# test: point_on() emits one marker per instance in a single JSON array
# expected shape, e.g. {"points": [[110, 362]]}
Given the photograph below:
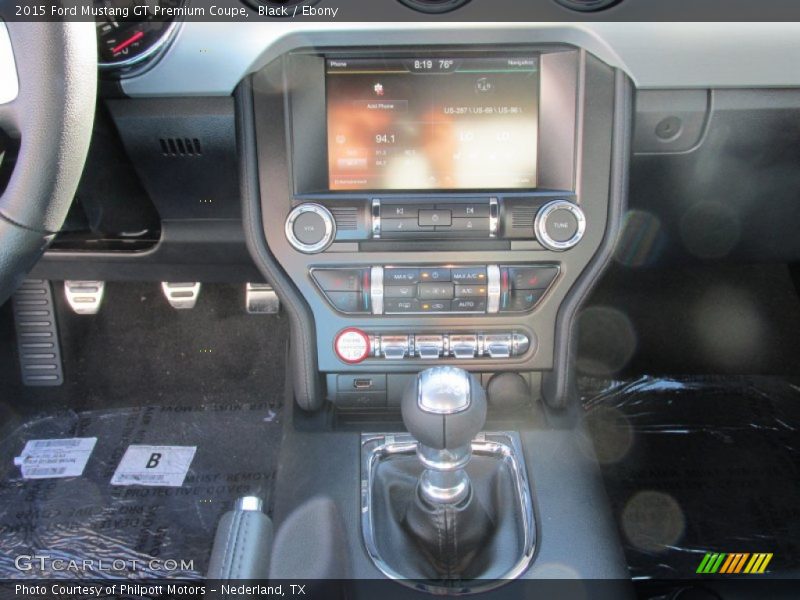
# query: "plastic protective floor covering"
{"points": [[134, 530], [700, 465]]}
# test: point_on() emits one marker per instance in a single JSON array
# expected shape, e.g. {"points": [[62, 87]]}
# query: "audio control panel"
{"points": [[447, 289], [554, 221]]}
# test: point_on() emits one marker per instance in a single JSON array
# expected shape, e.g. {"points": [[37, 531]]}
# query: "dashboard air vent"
{"points": [[588, 5], [180, 147], [434, 6], [346, 217]]}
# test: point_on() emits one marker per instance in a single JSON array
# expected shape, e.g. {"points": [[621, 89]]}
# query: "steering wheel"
{"points": [[48, 82]]}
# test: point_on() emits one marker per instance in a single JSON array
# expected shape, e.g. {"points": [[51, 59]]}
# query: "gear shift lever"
{"points": [[444, 515], [444, 410]]}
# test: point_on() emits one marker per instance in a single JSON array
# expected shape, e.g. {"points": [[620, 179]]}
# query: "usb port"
{"points": [[362, 384]]}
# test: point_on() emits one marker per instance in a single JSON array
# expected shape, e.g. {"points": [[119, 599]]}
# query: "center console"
{"points": [[441, 206], [432, 218]]}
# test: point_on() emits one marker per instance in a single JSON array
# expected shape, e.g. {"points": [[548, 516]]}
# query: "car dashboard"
{"points": [[420, 193]]}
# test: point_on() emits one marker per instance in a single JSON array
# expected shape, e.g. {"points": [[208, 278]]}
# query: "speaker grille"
{"points": [[346, 217], [180, 147], [522, 217]]}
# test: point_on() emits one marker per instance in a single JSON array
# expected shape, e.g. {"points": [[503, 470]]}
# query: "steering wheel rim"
{"points": [[51, 115]]}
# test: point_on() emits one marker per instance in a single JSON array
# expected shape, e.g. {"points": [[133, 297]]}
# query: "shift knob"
{"points": [[445, 408]]}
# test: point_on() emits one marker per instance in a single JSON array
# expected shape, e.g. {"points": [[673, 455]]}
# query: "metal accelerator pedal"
{"points": [[181, 296], [261, 299], [37, 334]]}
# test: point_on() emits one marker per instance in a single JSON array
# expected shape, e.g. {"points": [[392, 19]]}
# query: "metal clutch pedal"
{"points": [[85, 297]]}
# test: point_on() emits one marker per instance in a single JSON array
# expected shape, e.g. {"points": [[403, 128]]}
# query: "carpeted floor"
{"points": [[140, 351]]}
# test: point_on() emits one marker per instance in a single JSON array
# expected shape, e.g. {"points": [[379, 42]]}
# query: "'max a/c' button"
{"points": [[469, 275]]}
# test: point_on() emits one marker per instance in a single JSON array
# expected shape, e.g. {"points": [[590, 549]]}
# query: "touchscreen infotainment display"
{"points": [[432, 123]]}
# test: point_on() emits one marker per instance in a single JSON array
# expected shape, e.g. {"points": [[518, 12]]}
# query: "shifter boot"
{"points": [[449, 536]]}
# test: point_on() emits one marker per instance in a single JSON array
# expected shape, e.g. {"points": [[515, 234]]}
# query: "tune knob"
{"points": [[559, 225], [310, 228]]}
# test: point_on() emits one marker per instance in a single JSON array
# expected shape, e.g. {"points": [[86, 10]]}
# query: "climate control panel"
{"points": [[353, 345], [403, 290]]}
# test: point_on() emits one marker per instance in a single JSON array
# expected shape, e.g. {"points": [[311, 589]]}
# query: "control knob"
{"points": [[310, 228], [559, 225]]}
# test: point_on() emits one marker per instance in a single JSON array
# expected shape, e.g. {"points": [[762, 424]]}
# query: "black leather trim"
{"points": [[312, 544], [54, 112], [242, 546], [482, 538], [303, 350], [560, 384], [53, 116]]}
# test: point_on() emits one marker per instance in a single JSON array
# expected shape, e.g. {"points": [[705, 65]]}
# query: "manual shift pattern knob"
{"points": [[444, 410], [444, 390]]}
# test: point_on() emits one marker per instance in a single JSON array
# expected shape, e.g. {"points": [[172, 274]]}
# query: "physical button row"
{"points": [[412, 275], [353, 345], [482, 289], [468, 219], [455, 345]]}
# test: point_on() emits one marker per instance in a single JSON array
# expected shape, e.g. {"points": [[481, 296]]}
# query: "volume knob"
{"points": [[559, 225], [310, 228]]}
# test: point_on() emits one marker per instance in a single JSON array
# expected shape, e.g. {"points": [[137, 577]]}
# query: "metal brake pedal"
{"points": [[37, 334], [181, 295], [261, 299], [85, 297]]}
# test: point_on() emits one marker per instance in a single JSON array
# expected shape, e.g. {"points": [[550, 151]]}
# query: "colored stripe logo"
{"points": [[735, 563]]}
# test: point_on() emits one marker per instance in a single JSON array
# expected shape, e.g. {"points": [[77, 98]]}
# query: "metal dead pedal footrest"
{"points": [[181, 295], [37, 334], [261, 299], [84, 297]]}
